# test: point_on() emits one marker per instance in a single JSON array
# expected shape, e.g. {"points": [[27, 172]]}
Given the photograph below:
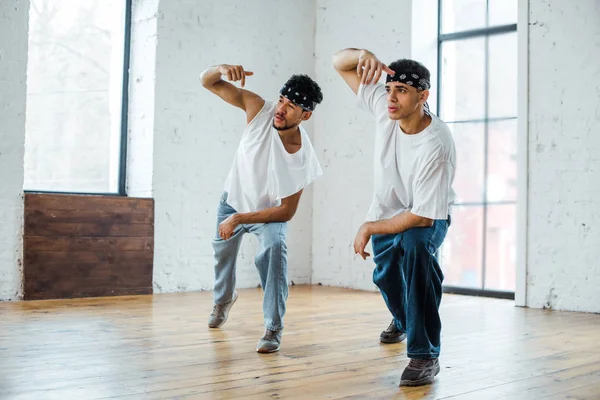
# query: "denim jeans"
{"points": [[271, 262], [409, 278]]}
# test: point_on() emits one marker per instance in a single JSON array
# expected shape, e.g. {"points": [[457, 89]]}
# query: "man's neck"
{"points": [[415, 122], [290, 136]]}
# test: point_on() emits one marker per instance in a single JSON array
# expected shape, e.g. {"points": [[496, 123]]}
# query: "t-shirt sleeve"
{"points": [[432, 189], [372, 98], [253, 128]]}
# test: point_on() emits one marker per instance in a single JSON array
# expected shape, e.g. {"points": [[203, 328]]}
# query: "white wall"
{"points": [[142, 86], [564, 156], [178, 131], [344, 136], [196, 133], [13, 66]]}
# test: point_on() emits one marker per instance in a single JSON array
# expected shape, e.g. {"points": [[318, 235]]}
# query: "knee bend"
{"points": [[274, 239], [275, 243]]}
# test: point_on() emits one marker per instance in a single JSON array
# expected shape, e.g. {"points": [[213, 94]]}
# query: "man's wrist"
{"points": [[365, 53], [369, 228], [238, 218]]}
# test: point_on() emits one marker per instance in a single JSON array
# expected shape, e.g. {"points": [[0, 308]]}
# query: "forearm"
{"points": [[210, 76], [398, 224], [347, 59], [271, 214]]}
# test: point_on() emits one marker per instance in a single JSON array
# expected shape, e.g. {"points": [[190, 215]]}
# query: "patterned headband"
{"points": [[410, 79], [297, 98]]}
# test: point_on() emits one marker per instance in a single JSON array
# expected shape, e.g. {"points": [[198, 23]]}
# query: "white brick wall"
{"points": [[196, 133], [564, 155], [142, 82], [344, 137], [178, 131], [13, 65]]}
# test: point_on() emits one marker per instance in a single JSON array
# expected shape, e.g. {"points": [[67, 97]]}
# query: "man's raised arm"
{"points": [[358, 66], [248, 101]]}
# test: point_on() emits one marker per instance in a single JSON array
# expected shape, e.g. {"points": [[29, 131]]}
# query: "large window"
{"points": [[478, 99], [76, 96]]}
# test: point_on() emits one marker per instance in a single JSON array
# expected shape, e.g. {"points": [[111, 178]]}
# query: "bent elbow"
{"points": [[334, 61], [204, 81], [288, 215]]}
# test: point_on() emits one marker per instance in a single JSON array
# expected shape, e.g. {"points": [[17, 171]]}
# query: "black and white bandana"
{"points": [[298, 98], [411, 79]]}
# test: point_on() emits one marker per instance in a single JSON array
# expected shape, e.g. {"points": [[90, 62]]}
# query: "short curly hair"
{"points": [[306, 85]]}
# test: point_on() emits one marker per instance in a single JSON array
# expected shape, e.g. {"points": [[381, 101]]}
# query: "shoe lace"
{"points": [[270, 335], [392, 327], [216, 309], [418, 364]]}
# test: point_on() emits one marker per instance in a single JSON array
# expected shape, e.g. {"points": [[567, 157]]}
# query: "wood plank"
{"points": [[43, 201], [44, 217], [159, 347], [65, 263], [88, 274], [80, 292], [41, 244], [90, 229], [110, 280]]}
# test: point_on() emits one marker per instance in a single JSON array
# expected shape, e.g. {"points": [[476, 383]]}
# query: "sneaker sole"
{"points": [[235, 297], [264, 351], [391, 341], [423, 381], [420, 382], [261, 351]]}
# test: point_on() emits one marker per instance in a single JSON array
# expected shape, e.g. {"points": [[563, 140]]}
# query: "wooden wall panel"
{"points": [[87, 246]]}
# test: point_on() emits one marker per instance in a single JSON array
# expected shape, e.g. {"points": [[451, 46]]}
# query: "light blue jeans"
{"points": [[271, 262]]}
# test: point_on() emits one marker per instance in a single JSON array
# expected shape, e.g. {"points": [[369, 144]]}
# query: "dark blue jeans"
{"points": [[410, 280]]}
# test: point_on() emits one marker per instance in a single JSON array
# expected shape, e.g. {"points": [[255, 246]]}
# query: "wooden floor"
{"points": [[159, 347]]}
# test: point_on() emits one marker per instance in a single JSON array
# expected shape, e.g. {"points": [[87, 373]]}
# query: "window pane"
{"points": [[470, 157], [462, 15], [463, 79], [503, 12], [503, 75], [462, 251], [74, 81], [500, 254], [502, 161]]}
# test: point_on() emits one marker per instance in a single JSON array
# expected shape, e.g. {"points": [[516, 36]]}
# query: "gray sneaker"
{"points": [[420, 372], [392, 334], [221, 312], [270, 342]]}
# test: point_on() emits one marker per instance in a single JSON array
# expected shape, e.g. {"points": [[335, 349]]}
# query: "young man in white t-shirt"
{"points": [[274, 162], [410, 212]]}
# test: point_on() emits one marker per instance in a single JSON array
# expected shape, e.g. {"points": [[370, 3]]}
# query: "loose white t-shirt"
{"points": [[263, 172], [412, 172]]}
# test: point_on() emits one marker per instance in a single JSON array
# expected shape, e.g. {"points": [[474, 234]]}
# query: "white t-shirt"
{"points": [[263, 172], [412, 172]]}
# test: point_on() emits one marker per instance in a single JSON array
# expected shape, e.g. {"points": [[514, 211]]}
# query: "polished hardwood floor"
{"points": [[159, 347]]}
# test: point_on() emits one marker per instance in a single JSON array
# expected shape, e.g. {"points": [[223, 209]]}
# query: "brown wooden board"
{"points": [[87, 246]]}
